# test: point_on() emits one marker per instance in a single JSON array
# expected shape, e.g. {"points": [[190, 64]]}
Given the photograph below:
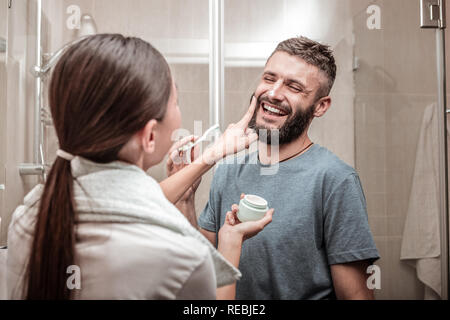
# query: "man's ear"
{"points": [[322, 106], [148, 136]]}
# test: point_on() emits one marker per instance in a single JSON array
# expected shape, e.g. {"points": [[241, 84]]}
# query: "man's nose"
{"points": [[276, 92]]}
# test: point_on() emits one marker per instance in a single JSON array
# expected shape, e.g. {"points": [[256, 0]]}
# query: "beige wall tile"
{"points": [[188, 19], [410, 49], [370, 136], [260, 19], [385, 291], [55, 32], [396, 205], [194, 107], [371, 160], [236, 104], [398, 281], [154, 19], [374, 181], [191, 77], [369, 50], [378, 225], [244, 80], [403, 108], [395, 226], [370, 109], [403, 280], [337, 128], [376, 204]]}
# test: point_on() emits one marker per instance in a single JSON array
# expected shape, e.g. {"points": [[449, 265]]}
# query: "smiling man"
{"points": [[319, 244]]}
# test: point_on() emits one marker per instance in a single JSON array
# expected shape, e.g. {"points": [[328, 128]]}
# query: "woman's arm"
{"points": [[237, 137], [230, 246], [231, 236], [175, 186]]}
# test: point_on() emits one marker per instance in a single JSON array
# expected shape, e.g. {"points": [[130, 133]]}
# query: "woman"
{"points": [[114, 106]]}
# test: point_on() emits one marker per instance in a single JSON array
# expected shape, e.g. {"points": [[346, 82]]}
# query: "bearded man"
{"points": [[319, 244]]}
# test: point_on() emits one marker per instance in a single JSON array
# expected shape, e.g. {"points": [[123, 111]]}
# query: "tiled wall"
{"points": [[395, 82]]}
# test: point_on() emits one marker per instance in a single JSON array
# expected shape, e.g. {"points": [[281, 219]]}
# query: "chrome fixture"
{"points": [[87, 28], [37, 168], [216, 62], [432, 14], [40, 71]]}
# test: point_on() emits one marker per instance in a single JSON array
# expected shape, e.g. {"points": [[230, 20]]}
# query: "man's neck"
{"points": [[272, 154]]}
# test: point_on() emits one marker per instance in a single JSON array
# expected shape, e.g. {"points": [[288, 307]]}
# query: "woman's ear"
{"points": [[322, 106], [148, 137]]}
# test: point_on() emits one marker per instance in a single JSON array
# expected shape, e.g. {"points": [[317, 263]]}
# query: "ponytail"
{"points": [[53, 248]]}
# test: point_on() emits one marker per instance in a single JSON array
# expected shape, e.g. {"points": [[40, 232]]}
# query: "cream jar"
{"points": [[252, 208]]}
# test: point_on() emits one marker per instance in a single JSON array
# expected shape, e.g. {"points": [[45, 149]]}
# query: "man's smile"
{"points": [[273, 109], [272, 112]]}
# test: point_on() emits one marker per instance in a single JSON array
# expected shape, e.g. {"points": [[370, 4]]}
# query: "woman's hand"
{"points": [[231, 236], [233, 228], [178, 160], [236, 138]]}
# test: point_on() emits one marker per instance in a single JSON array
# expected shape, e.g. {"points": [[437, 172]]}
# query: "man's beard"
{"points": [[293, 128]]}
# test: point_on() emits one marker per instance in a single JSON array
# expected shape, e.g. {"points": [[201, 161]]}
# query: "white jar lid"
{"points": [[256, 201]]}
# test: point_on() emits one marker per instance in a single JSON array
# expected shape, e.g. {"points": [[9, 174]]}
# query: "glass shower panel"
{"points": [[396, 134], [178, 29], [386, 87]]}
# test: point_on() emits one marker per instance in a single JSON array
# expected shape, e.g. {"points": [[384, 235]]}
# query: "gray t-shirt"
{"points": [[320, 219]]}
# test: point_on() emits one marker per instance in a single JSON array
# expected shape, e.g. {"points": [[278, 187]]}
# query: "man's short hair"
{"points": [[313, 53]]}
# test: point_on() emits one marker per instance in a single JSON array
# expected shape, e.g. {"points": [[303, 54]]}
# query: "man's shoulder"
{"points": [[332, 166], [322, 161]]}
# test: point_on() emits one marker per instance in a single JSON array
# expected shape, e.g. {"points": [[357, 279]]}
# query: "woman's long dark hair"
{"points": [[103, 90]]}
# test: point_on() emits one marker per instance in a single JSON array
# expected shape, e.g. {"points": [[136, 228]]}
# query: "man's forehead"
{"points": [[292, 67]]}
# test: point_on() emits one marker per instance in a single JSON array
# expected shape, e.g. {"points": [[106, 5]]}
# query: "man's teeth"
{"points": [[274, 110]]}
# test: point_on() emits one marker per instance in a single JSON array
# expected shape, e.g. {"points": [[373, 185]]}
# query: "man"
{"points": [[319, 244]]}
